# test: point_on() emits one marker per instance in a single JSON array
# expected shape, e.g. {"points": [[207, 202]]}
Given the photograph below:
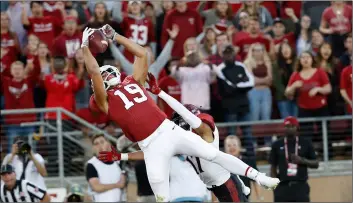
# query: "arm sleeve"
{"points": [[189, 117], [35, 191], [250, 82], [125, 64], [163, 58], [91, 172]]}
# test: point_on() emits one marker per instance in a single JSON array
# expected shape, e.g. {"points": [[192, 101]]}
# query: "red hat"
{"points": [[70, 18], [290, 120]]}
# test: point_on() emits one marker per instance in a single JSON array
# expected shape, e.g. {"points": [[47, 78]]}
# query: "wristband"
{"points": [[124, 157]]}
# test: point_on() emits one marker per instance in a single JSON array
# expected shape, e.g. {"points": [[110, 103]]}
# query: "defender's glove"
{"points": [[109, 156], [85, 36], [152, 82], [109, 32]]}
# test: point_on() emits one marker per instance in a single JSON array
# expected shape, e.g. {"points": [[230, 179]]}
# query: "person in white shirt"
{"points": [[28, 165], [105, 179], [195, 78]]}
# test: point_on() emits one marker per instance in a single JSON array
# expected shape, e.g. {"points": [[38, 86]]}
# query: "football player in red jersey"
{"points": [[128, 104]]}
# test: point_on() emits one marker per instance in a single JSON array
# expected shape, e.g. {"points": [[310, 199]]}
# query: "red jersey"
{"points": [[245, 43], [132, 108], [61, 90], [171, 87], [239, 36], [190, 25], [97, 119], [339, 23], [319, 79], [44, 29], [9, 43], [346, 84], [140, 31], [19, 95], [65, 45], [289, 37]]}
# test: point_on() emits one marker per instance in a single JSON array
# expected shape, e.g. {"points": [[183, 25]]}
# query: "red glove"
{"points": [[109, 156], [152, 82]]}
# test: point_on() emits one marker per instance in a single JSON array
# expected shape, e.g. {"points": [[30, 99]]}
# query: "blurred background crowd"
{"points": [[296, 53]]}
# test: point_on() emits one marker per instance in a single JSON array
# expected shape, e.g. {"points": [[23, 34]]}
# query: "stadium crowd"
{"points": [[284, 46]]}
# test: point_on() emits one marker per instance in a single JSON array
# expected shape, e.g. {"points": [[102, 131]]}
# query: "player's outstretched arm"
{"points": [[140, 66], [194, 121], [92, 67]]}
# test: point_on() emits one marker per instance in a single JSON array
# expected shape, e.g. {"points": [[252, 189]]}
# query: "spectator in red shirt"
{"points": [[69, 41], [43, 26], [61, 88], [9, 44], [336, 21], [255, 36], [346, 88], [18, 93], [189, 22], [169, 85], [279, 32], [138, 28], [327, 62], [310, 85], [242, 29]]}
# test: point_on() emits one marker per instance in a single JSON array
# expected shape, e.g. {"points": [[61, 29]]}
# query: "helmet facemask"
{"points": [[111, 76]]}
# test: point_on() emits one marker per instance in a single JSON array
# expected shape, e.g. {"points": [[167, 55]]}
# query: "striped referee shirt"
{"points": [[23, 191]]}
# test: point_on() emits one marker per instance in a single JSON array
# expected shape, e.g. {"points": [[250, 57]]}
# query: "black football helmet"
{"points": [[178, 120]]}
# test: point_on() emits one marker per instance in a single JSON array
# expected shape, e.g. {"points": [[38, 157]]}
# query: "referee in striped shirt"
{"points": [[13, 190]]}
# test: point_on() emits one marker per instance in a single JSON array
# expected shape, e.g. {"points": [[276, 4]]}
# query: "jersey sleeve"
{"points": [[91, 172], [208, 119], [35, 191]]}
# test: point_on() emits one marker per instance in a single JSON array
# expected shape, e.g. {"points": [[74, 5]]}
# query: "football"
{"points": [[98, 43]]}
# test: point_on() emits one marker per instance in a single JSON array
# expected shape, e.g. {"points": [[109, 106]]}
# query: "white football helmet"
{"points": [[111, 76]]}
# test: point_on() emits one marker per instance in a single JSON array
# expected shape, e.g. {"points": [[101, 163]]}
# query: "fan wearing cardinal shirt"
{"points": [[18, 93], [336, 21], [190, 25], [61, 88], [280, 36], [138, 28], [42, 26], [254, 36], [9, 43], [346, 87], [310, 85], [67, 43]]}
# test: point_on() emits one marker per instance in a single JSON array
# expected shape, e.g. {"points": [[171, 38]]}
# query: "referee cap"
{"points": [[290, 120], [7, 169]]}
